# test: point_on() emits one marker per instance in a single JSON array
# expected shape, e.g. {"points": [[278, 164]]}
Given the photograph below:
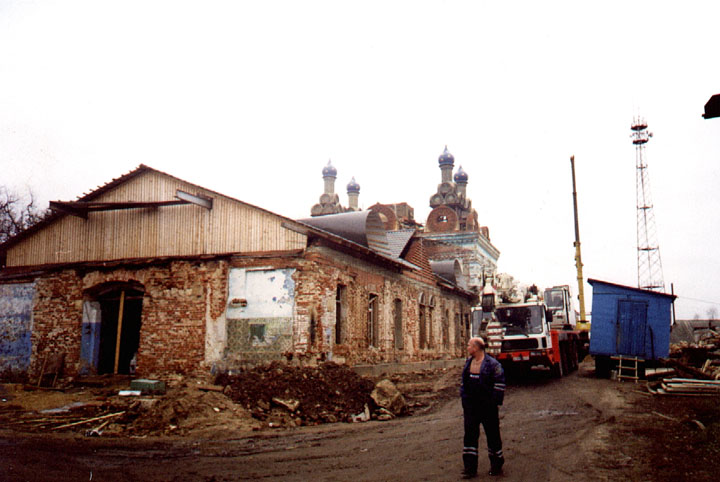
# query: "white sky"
{"points": [[252, 98]]}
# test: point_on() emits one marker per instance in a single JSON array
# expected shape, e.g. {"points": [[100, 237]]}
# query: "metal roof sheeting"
{"points": [[362, 227]]}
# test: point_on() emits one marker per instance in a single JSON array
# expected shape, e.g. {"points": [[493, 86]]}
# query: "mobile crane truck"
{"points": [[535, 332]]}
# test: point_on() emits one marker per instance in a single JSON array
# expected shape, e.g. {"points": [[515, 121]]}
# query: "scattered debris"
{"points": [[210, 388], [665, 416], [700, 425], [363, 416], [148, 386], [290, 405], [384, 414], [277, 395], [94, 419], [386, 395], [97, 431], [129, 393]]}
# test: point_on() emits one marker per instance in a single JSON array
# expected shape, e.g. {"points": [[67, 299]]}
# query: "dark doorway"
{"points": [[113, 300]]}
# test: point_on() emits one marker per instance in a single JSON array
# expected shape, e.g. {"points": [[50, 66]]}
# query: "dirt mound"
{"points": [[183, 410], [285, 395]]}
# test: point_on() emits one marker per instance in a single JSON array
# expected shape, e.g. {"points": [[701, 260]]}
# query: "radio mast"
{"points": [[649, 265]]}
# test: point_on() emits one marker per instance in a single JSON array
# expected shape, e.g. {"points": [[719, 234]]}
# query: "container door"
{"points": [[632, 324]]}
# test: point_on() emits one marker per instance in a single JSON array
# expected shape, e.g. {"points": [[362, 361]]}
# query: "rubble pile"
{"points": [[701, 359], [285, 395], [276, 395]]}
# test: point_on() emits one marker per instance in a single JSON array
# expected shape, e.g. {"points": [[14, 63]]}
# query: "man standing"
{"points": [[482, 392]]}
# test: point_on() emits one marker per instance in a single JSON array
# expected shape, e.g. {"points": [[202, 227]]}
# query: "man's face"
{"points": [[472, 348]]}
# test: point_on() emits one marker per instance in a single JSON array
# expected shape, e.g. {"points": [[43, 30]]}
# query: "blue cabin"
{"points": [[629, 321]]}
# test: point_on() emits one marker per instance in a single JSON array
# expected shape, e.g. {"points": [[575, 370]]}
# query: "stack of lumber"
{"points": [[699, 360], [688, 387]]}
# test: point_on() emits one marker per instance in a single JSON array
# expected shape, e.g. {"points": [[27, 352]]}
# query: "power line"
{"points": [[696, 299]]}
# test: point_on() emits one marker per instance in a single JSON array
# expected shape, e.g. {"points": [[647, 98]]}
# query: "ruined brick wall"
{"points": [[57, 319], [180, 298], [188, 322], [318, 276]]}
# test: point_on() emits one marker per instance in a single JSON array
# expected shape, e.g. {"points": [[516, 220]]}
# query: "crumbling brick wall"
{"points": [[179, 299]]}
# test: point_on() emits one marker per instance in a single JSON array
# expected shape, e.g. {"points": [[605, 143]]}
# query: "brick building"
{"points": [[153, 272]]}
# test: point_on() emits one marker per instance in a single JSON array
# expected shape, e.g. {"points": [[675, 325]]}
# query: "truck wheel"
{"points": [[573, 357], [556, 371], [565, 361]]}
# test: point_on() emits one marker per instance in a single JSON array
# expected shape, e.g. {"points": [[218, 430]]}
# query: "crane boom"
{"points": [[582, 323]]}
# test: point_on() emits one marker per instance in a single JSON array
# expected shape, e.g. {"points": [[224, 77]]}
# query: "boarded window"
{"points": [[397, 309], [372, 321], [423, 328], [445, 330], [340, 313], [458, 329]]}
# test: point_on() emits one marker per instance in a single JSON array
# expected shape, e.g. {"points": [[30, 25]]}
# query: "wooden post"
{"points": [[672, 292], [119, 330]]}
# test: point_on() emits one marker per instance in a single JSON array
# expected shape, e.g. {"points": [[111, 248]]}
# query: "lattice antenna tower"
{"points": [[649, 265]]}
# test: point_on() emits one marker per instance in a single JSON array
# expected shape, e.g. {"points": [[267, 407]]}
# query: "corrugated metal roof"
{"points": [[362, 227]]}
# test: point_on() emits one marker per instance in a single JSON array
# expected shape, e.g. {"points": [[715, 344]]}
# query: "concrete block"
{"points": [[148, 386]]}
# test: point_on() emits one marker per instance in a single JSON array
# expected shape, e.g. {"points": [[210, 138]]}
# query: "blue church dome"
{"points": [[460, 175], [329, 170], [353, 186], [446, 158]]}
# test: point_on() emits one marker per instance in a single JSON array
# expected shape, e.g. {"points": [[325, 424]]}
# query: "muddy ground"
{"points": [[575, 428]]}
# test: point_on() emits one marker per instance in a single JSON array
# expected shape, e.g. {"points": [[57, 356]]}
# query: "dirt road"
{"points": [[552, 430]]}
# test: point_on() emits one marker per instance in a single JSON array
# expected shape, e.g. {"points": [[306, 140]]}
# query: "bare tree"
{"points": [[17, 213], [712, 313]]}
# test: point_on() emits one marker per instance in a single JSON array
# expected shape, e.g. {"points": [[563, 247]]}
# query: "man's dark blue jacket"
{"points": [[488, 387]]}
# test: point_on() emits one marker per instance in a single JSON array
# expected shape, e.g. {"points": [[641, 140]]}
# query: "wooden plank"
{"points": [[693, 380], [119, 330], [94, 419]]}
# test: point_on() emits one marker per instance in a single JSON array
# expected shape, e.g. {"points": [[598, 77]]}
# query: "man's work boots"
{"points": [[496, 464]]}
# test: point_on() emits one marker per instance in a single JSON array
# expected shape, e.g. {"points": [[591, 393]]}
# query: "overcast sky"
{"points": [[251, 99]]}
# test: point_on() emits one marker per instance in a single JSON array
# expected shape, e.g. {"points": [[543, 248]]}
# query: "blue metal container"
{"points": [[629, 321]]}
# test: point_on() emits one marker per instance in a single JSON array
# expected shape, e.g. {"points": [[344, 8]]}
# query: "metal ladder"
{"points": [[628, 371]]}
